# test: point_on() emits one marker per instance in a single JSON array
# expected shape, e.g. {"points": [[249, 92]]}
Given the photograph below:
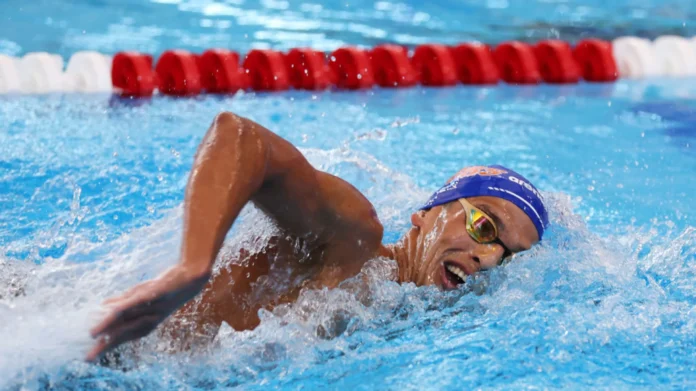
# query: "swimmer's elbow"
{"points": [[237, 125], [237, 135], [226, 119], [230, 127]]}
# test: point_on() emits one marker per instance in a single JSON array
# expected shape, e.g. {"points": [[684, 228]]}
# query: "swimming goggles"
{"points": [[482, 229]]}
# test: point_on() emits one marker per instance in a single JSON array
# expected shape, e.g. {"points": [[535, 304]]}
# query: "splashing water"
{"points": [[59, 300]]}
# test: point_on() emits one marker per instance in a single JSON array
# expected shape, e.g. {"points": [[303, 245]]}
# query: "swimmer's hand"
{"points": [[137, 312]]}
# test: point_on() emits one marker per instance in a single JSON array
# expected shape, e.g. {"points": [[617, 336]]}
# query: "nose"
{"points": [[487, 255]]}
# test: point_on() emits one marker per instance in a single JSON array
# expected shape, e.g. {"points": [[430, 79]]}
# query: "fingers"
{"points": [[126, 332], [97, 350], [110, 318], [123, 314], [138, 311], [117, 305], [104, 324], [134, 291], [129, 305], [112, 300]]}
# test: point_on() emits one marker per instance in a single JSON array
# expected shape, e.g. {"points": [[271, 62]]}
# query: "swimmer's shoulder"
{"points": [[353, 215], [337, 212]]}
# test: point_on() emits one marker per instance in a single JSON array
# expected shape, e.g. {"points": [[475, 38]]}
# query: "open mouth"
{"points": [[453, 275]]}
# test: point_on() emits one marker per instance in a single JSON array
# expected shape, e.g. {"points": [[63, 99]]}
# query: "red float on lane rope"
{"points": [[391, 66], [307, 69], [266, 70], [178, 74], [220, 72], [475, 64], [132, 74], [516, 63], [596, 60], [351, 68], [556, 62], [434, 65]]}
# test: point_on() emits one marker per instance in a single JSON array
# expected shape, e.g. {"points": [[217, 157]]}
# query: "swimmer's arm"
{"points": [[240, 161]]}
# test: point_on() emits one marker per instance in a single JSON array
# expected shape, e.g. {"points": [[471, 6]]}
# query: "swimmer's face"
{"points": [[447, 251]]}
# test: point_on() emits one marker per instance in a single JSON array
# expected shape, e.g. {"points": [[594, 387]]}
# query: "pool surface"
{"points": [[91, 188]]}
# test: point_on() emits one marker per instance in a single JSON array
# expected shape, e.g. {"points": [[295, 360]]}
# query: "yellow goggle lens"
{"points": [[480, 227]]}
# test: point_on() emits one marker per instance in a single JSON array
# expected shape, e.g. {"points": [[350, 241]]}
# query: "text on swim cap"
{"points": [[525, 185]]}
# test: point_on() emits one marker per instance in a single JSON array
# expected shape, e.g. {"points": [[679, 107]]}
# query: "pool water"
{"points": [[91, 189]]}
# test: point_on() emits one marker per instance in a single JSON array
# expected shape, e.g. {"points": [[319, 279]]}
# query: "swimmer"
{"points": [[482, 216]]}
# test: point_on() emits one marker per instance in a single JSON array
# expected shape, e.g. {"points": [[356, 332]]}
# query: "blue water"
{"points": [[91, 190]]}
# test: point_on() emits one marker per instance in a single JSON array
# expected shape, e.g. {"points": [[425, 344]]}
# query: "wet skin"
{"points": [[329, 230]]}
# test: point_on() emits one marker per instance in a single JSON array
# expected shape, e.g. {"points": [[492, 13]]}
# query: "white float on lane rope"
{"points": [[41, 72], [635, 57], [677, 54], [89, 71]]}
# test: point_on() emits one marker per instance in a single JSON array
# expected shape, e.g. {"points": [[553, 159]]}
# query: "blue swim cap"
{"points": [[495, 181]]}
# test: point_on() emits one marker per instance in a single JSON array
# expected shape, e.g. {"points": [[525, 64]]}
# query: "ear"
{"points": [[418, 218]]}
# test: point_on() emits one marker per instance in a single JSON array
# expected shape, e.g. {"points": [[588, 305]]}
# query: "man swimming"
{"points": [[329, 230]]}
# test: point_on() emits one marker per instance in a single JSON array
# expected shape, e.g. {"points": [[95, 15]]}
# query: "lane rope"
{"points": [[223, 71]]}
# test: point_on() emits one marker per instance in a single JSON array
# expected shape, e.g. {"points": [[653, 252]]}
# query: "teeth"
{"points": [[456, 270]]}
